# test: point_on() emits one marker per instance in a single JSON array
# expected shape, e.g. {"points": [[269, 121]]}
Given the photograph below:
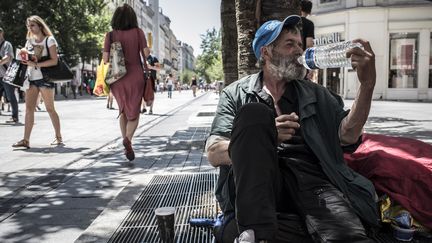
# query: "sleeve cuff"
{"points": [[212, 139], [351, 148]]}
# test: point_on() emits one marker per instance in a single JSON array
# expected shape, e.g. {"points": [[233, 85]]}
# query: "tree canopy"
{"points": [[186, 76], [77, 25], [209, 63]]}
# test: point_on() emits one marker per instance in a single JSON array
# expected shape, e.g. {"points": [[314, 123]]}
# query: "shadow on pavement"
{"points": [[155, 114], [399, 127], [12, 124], [60, 149], [69, 199]]}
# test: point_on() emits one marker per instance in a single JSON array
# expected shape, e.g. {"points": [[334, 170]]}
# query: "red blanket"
{"points": [[399, 167]]}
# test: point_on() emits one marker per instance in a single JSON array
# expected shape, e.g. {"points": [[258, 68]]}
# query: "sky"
{"points": [[191, 18]]}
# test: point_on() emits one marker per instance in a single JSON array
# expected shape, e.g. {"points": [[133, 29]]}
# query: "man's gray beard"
{"points": [[286, 68]]}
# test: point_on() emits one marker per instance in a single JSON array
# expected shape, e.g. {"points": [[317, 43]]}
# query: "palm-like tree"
{"points": [[229, 41], [250, 14]]}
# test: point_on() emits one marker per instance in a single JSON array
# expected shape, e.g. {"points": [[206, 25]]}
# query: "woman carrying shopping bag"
{"points": [[128, 90], [39, 37]]}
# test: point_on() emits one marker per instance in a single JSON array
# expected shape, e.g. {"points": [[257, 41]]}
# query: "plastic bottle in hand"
{"points": [[328, 56]]}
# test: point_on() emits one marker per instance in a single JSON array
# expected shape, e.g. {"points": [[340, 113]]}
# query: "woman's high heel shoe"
{"points": [[130, 154], [22, 144]]}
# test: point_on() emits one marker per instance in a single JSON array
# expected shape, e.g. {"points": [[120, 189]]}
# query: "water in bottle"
{"points": [[328, 56]]}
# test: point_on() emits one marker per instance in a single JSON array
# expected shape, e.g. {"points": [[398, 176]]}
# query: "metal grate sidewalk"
{"points": [[191, 194]]}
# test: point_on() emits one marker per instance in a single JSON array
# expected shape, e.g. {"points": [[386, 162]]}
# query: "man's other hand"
{"points": [[286, 126]]}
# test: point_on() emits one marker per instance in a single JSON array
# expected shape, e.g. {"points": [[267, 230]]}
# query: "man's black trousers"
{"points": [[264, 186]]}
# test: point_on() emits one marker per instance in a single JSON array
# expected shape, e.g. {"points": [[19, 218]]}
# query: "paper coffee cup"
{"points": [[165, 217]]}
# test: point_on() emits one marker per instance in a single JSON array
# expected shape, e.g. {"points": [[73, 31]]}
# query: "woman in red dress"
{"points": [[128, 91]]}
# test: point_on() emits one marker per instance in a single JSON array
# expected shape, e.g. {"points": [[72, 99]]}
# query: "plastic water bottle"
{"points": [[202, 222], [328, 56], [206, 222]]}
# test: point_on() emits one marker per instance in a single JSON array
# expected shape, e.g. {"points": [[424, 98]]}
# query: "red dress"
{"points": [[128, 91]]}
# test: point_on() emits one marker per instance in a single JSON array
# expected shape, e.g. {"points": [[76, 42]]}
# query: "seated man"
{"points": [[279, 143]]}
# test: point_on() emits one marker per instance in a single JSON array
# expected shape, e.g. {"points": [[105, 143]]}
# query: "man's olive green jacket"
{"points": [[321, 113]]}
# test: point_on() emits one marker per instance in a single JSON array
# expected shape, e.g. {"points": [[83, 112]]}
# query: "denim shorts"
{"points": [[42, 83]]}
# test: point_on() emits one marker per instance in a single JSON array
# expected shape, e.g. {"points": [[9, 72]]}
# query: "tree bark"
{"points": [[229, 41], [246, 27], [251, 14]]}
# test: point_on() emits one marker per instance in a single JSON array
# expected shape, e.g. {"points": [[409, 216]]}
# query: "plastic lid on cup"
{"points": [[165, 211]]}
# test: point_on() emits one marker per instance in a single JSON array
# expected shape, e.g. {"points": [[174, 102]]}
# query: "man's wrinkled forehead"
{"points": [[288, 35]]}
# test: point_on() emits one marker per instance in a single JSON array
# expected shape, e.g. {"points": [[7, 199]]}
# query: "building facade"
{"points": [[400, 35], [148, 25], [168, 48], [186, 57], [160, 38]]}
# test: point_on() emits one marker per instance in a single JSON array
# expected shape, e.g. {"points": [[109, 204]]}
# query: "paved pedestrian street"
{"points": [[86, 191]]}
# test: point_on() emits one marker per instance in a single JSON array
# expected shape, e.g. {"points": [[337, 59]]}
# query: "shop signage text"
{"points": [[327, 39]]}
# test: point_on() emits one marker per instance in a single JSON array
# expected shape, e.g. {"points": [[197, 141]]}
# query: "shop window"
{"points": [[430, 63], [403, 60]]}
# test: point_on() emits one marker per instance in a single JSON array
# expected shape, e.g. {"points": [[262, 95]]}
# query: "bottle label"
{"points": [[309, 58]]}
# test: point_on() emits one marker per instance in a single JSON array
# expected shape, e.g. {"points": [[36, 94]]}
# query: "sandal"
{"points": [[57, 141], [23, 143], [130, 154]]}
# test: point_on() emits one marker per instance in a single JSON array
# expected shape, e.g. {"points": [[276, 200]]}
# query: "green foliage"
{"points": [[77, 25], [215, 71], [91, 42], [186, 76], [209, 63]]}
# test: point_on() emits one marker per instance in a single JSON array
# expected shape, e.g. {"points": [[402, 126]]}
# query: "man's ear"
{"points": [[265, 52]]}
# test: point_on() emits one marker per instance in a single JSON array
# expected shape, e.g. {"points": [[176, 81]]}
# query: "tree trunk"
{"points": [[250, 15], [279, 9], [246, 27], [229, 41]]}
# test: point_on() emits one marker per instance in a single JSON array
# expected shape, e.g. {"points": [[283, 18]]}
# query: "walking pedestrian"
{"points": [[308, 34], [128, 91], [2, 98], [78, 77], [161, 87], [91, 84], [308, 27], [74, 84], [194, 85], [178, 85], [6, 56], [170, 83], [38, 37], [110, 100], [154, 66]]}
